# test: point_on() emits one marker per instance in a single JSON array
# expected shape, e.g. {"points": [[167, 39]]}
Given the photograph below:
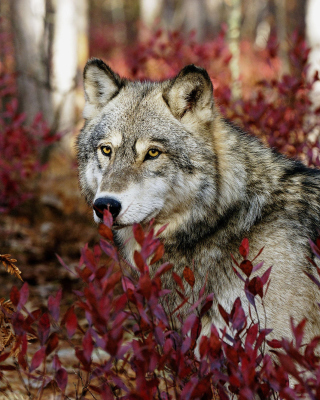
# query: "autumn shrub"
{"points": [[118, 332], [21, 145], [123, 343]]}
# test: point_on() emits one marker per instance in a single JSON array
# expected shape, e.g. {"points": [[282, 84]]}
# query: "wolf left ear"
{"points": [[101, 84], [191, 91]]}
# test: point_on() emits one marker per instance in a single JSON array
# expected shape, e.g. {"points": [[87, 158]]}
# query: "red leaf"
{"points": [[37, 359], [88, 258], [251, 336], [315, 249], [127, 284], [207, 304], [56, 363], [255, 286], [238, 274], [260, 251], [106, 393], [14, 296], [8, 368], [161, 229], [65, 265], [178, 280], [52, 344], [109, 249], [145, 285], [234, 260], [24, 294], [163, 269], [106, 232], [138, 234], [246, 267], [22, 361], [189, 276], [24, 346], [139, 261], [314, 280], [97, 253], [101, 272], [43, 328], [224, 314], [265, 276], [158, 254], [54, 305], [107, 218], [258, 266], [244, 248], [61, 378], [238, 317], [188, 324], [71, 322], [33, 316], [196, 329], [87, 345], [288, 364], [298, 331], [159, 335], [201, 293], [4, 356], [204, 346]]}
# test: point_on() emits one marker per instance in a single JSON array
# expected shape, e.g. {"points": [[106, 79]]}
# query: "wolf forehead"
{"points": [[127, 102], [128, 118]]}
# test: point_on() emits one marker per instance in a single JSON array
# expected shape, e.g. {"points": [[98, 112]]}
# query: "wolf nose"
{"points": [[109, 204]]}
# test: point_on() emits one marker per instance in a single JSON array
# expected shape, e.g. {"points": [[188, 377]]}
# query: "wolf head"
{"points": [[146, 149]]}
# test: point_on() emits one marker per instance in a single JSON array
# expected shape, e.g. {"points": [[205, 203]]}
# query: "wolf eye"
{"points": [[152, 153], [106, 150]]}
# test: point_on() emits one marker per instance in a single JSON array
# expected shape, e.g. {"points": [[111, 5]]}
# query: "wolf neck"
{"points": [[242, 189]]}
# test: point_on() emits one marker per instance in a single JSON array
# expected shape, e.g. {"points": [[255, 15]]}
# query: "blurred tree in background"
{"points": [[50, 38]]}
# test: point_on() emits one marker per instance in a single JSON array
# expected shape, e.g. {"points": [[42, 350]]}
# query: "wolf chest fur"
{"points": [[162, 151]]}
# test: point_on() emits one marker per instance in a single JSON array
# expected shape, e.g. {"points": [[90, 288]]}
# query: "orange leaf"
{"points": [[106, 232], [158, 254]]}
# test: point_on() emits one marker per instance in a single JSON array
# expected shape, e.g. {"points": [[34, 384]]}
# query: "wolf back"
{"points": [[162, 151]]}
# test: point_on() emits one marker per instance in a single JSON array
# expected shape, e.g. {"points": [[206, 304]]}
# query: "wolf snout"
{"points": [[107, 203]]}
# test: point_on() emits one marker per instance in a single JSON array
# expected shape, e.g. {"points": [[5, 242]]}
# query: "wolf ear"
{"points": [[190, 92], [101, 84]]}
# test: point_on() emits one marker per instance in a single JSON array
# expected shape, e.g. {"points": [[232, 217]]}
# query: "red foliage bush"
{"points": [[127, 347], [21, 145]]}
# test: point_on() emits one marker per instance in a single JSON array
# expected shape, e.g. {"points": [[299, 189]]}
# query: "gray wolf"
{"points": [[162, 151]]}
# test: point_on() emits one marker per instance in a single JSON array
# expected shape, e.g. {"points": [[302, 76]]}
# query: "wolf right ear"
{"points": [[101, 84]]}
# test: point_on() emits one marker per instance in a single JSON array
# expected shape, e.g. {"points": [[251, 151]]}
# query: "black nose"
{"points": [[107, 203]]}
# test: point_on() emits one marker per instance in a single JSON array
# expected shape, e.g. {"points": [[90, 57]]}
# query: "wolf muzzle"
{"points": [[106, 203]]}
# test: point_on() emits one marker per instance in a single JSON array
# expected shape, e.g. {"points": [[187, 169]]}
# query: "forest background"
{"points": [[256, 53]]}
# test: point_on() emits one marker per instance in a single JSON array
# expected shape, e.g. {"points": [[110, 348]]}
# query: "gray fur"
{"points": [[212, 183]]}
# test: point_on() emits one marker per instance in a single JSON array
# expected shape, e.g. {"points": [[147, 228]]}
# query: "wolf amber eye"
{"points": [[152, 153], [106, 150]]}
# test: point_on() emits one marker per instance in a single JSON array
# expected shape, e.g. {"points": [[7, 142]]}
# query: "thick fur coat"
{"points": [[162, 150]]}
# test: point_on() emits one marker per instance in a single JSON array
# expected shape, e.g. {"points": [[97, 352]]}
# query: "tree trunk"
{"points": [[46, 42], [282, 33], [195, 17], [313, 36], [234, 24], [150, 10]]}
